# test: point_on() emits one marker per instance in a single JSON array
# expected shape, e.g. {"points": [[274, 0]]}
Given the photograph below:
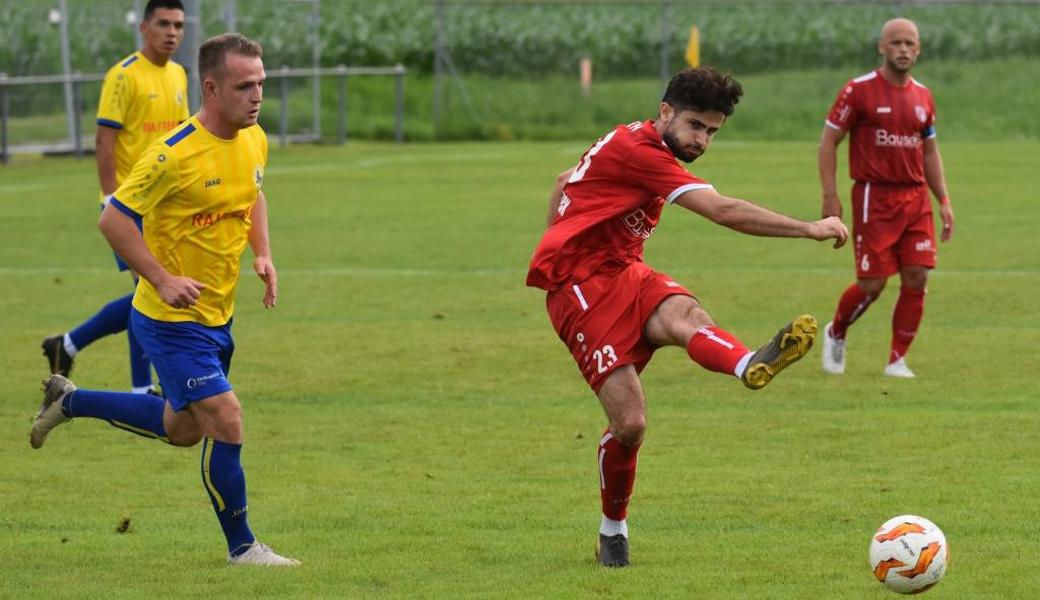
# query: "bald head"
{"points": [[899, 45], [899, 27]]}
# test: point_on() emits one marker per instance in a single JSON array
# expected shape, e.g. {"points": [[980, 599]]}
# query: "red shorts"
{"points": [[892, 227], [601, 319]]}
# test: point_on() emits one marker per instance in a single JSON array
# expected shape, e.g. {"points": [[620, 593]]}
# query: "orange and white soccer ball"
{"points": [[908, 554]]}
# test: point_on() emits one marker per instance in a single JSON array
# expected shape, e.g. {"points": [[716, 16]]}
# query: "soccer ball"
{"points": [[908, 554]]}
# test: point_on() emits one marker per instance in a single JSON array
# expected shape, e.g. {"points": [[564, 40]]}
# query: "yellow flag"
{"points": [[693, 49]]}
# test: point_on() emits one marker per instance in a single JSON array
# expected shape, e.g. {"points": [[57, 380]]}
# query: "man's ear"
{"points": [[665, 112]]}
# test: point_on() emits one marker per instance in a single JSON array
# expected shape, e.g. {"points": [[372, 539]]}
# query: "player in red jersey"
{"points": [[894, 159], [613, 311]]}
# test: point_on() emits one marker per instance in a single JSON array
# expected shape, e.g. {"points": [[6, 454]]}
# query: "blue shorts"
{"points": [[119, 260], [192, 360]]}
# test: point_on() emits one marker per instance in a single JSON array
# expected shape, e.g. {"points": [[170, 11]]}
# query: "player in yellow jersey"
{"points": [[198, 190], [143, 97]]}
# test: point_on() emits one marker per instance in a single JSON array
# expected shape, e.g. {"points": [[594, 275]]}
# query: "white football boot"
{"points": [[899, 369], [260, 553], [50, 415], [833, 352]]}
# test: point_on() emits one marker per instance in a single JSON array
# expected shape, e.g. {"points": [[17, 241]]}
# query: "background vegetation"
{"points": [[522, 39]]}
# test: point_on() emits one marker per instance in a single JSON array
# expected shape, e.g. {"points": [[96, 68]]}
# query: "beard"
{"points": [[685, 155], [896, 67]]}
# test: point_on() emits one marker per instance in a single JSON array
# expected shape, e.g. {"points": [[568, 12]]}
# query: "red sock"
{"points": [[853, 303], [716, 349], [617, 476], [905, 319]]}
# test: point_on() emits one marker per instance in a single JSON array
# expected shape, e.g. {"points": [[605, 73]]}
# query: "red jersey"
{"points": [[610, 206], [888, 125]]}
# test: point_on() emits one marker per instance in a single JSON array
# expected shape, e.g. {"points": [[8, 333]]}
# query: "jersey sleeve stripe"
{"points": [[129, 61], [828, 123], [110, 123], [126, 210], [689, 187], [929, 132], [180, 135]]}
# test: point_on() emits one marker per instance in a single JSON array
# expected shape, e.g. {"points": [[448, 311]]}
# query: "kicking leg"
{"points": [[142, 414], [681, 321]]}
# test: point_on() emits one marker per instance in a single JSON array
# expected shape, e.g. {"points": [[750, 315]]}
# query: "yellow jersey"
{"points": [[143, 101], [195, 193]]}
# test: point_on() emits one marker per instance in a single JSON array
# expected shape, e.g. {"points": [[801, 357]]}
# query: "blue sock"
{"points": [[226, 485], [137, 413], [112, 318], [140, 366]]}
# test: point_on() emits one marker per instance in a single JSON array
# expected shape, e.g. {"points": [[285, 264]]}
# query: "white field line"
{"points": [[518, 273], [18, 188], [365, 163]]}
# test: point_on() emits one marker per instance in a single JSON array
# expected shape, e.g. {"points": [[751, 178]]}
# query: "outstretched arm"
{"points": [[827, 163], [746, 217], [933, 173], [260, 242], [557, 195]]}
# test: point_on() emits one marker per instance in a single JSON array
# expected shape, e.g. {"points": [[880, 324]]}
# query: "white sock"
{"points": [[742, 365], [140, 389], [609, 527], [69, 346]]}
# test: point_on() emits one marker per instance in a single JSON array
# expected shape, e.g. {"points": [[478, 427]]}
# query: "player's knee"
{"points": [[629, 429], [872, 287], [697, 317], [229, 417], [916, 279]]}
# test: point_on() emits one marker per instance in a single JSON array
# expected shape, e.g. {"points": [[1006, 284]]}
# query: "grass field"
{"points": [[414, 429]]}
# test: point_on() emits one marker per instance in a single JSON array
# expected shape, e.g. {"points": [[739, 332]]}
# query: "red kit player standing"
{"points": [[894, 159], [612, 310]]}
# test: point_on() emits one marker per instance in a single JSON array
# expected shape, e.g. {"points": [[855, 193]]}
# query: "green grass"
{"points": [[414, 428]]}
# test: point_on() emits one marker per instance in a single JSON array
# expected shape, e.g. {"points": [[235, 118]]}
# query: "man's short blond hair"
{"points": [[213, 51]]}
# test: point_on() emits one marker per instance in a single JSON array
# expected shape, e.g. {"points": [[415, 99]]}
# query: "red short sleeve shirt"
{"points": [[610, 206]]}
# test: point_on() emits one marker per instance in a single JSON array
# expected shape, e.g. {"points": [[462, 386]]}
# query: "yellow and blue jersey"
{"points": [[195, 193], [143, 101]]}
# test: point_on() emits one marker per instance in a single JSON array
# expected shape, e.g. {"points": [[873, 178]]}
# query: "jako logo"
{"points": [[884, 138], [194, 382], [924, 246]]}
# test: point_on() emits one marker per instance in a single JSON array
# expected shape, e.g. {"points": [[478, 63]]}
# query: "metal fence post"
{"points": [[399, 95], [66, 67], [341, 121], [438, 63], [316, 58], [283, 120], [77, 140], [666, 41], [3, 118]]}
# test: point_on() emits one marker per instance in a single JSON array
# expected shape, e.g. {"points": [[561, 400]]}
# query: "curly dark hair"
{"points": [[703, 89]]}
